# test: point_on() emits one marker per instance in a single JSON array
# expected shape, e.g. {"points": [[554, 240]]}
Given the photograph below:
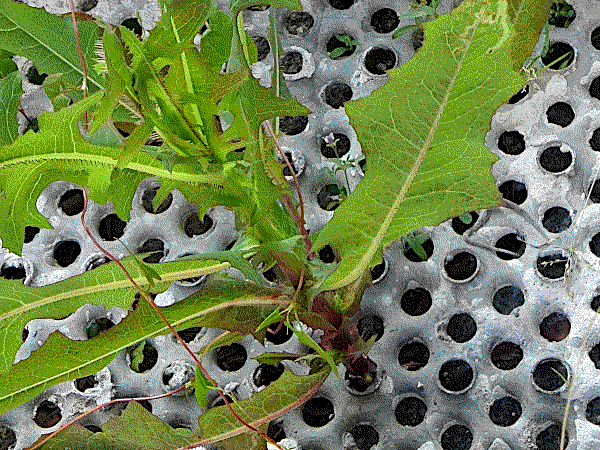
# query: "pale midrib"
{"points": [[121, 284], [97, 159], [245, 302], [368, 255]]}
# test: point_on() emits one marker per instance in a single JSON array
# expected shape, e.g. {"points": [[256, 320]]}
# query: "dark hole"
{"points": [[555, 51], [189, 334], [379, 271], [417, 39], [298, 23], [561, 14], [416, 302], [8, 438], [508, 298], [66, 252], [595, 38], [513, 191], [149, 358], [456, 437], [552, 266], [555, 327], [193, 226], [461, 328], [519, 95], [291, 62], [86, 5], [47, 414], [342, 146], [275, 430], [365, 436], [363, 165], [595, 304], [330, 197], [334, 42], [341, 4], [327, 254], [30, 233], [145, 404], [97, 262], [93, 428], [270, 275], [545, 377], [370, 325], [317, 412], [511, 143], [221, 402], [133, 24], [336, 94], [24, 334], [71, 202], [513, 243], [455, 375], [460, 266], [379, 60], [505, 411], [549, 439], [258, 7], [111, 227], [595, 140], [506, 355], [361, 374], [411, 255], [561, 114], [151, 245], [384, 20], [98, 325], [556, 219], [231, 357], [265, 374], [293, 125], [413, 356], [463, 223], [283, 335], [592, 411], [148, 197], [231, 244], [81, 384], [34, 77], [13, 271], [595, 88], [286, 170], [594, 355], [554, 160], [594, 192], [410, 411], [262, 47], [32, 124]]}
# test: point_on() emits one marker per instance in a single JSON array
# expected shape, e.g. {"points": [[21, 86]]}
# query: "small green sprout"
{"points": [[345, 44], [421, 13], [415, 241]]}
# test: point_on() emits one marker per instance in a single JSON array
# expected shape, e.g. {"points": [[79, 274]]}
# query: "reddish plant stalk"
{"points": [[164, 319], [96, 408], [81, 59], [288, 201]]}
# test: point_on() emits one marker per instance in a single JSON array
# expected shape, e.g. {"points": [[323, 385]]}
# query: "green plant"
{"points": [[561, 14], [344, 44], [421, 12], [164, 85]]}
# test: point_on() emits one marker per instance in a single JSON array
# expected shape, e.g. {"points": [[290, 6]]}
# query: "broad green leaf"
{"points": [[235, 258], [149, 273], [7, 65], [216, 43], [403, 30], [58, 152], [427, 160], [278, 86], [281, 396], [134, 143], [54, 88], [233, 305], [528, 18], [307, 340], [10, 99], [49, 41], [134, 429]]}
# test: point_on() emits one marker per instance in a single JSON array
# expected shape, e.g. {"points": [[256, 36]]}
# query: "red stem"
{"points": [[164, 319]]}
